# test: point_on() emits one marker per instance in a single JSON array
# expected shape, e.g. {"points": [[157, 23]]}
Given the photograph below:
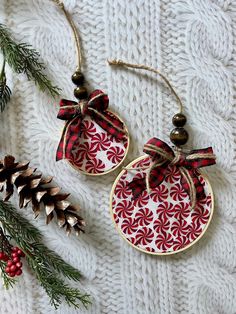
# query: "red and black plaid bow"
{"points": [[96, 107], [188, 163]]}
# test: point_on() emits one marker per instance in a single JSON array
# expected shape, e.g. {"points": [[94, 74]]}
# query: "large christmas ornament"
{"points": [[95, 140], [161, 203]]}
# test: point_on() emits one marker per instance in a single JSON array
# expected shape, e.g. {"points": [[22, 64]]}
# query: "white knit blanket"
{"points": [[194, 43]]}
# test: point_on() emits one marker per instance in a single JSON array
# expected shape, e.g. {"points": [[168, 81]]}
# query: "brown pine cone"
{"points": [[33, 188]]}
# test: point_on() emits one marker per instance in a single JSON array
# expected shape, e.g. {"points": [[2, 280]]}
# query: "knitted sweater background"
{"points": [[194, 43]]}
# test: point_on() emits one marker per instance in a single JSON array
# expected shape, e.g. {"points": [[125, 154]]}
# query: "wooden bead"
{"points": [[179, 136], [179, 120], [81, 92], [78, 78]]}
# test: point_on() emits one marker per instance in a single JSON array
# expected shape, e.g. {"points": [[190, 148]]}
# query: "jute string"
{"points": [[150, 69], [60, 4], [164, 156]]}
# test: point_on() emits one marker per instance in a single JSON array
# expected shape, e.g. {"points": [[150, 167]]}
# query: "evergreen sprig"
{"points": [[5, 92], [17, 226], [49, 258], [25, 59], [45, 263], [55, 287]]}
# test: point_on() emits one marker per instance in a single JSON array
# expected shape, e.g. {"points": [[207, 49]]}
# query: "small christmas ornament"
{"points": [[95, 140], [161, 203], [33, 188]]}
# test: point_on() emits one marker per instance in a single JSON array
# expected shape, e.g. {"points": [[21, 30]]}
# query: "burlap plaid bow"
{"points": [[96, 107], [187, 163]]}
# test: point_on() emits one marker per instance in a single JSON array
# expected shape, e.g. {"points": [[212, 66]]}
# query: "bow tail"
{"points": [[137, 186], [156, 175], [152, 179], [192, 185], [110, 123], [69, 136]]}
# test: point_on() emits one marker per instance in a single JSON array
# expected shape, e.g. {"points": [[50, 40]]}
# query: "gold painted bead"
{"points": [[179, 120], [179, 136], [81, 92], [78, 78]]}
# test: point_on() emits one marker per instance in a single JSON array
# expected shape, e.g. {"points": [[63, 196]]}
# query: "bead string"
{"points": [[147, 68], [60, 4]]}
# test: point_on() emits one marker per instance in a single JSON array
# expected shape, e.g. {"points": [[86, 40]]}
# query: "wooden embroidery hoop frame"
{"points": [[158, 253]]}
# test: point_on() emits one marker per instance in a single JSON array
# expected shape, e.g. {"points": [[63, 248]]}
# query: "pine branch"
{"points": [[5, 92], [50, 258], [43, 262], [24, 59], [55, 287], [18, 226]]}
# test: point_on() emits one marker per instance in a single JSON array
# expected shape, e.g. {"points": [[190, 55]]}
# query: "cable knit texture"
{"points": [[193, 42]]}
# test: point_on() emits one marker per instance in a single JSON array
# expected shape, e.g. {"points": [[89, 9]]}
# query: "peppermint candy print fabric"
{"points": [[96, 151], [160, 222]]}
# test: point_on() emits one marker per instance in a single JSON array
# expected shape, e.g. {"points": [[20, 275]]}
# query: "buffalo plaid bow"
{"points": [[96, 107], [188, 163]]}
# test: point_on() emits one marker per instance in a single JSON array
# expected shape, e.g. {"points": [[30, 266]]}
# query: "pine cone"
{"points": [[32, 187]]}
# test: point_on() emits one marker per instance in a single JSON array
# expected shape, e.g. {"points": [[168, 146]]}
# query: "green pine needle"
{"points": [[8, 281], [5, 92], [55, 287], [50, 258], [24, 59], [16, 225], [46, 264]]}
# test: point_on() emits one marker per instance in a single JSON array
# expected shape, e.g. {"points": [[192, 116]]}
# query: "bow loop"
{"points": [[98, 100], [68, 109], [158, 149], [201, 158]]}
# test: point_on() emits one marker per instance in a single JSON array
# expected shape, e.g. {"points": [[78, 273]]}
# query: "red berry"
{"points": [[10, 263], [14, 254], [22, 254], [7, 270], [19, 252], [3, 257], [16, 259], [12, 274], [19, 265], [13, 268], [6, 258], [19, 272]]}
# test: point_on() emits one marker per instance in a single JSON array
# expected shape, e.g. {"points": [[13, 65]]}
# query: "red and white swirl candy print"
{"points": [[124, 209], [144, 217], [129, 226], [161, 221], [101, 141], [144, 236], [96, 151]]}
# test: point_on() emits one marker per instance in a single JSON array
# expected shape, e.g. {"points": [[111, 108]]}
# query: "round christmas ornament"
{"points": [[161, 203], [95, 140]]}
